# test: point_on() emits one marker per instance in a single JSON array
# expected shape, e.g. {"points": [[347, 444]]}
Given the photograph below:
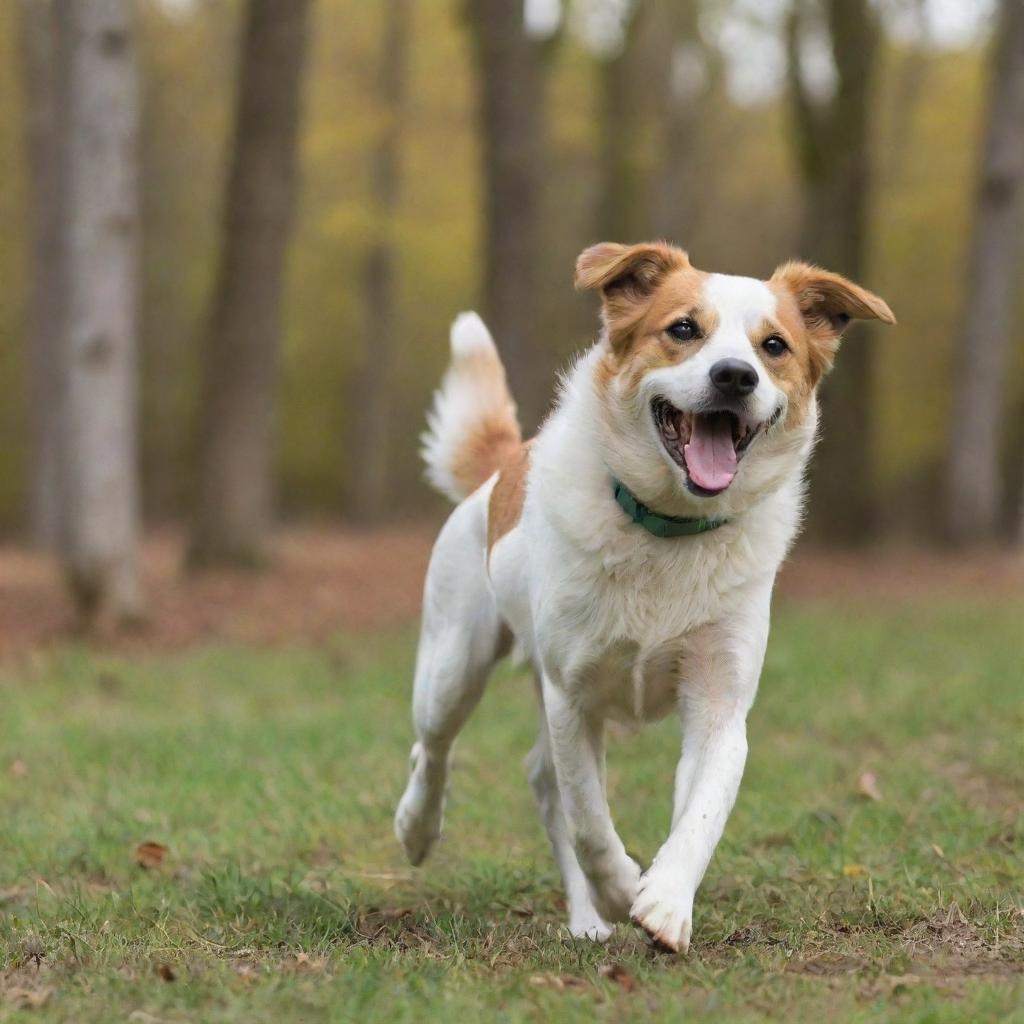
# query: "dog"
{"points": [[627, 552]]}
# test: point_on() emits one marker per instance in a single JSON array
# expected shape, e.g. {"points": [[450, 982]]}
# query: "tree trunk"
{"points": [[511, 123], [234, 506], [625, 78], [370, 402], [686, 79], [832, 141], [99, 336], [44, 137], [974, 487], [649, 124]]}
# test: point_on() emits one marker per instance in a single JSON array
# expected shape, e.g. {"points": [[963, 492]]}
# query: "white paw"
{"points": [[420, 811], [590, 926], [664, 909], [614, 890]]}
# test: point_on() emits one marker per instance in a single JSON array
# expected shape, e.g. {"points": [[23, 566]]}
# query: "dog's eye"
{"points": [[683, 330], [774, 346]]}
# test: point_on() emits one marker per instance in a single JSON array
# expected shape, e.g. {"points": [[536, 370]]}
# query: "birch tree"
{"points": [[235, 499], [100, 482], [974, 485]]}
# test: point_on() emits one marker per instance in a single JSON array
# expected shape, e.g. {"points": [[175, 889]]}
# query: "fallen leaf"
{"points": [[33, 950], [150, 855], [166, 972], [853, 870], [247, 972], [938, 851], [558, 981], [867, 786], [901, 982], [300, 963], [619, 974]]}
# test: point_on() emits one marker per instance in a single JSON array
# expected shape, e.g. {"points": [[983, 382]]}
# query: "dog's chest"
{"points": [[630, 683], [621, 636], [647, 598]]}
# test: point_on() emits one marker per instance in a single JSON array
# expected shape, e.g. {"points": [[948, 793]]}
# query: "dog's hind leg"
{"points": [[461, 639], [584, 920]]}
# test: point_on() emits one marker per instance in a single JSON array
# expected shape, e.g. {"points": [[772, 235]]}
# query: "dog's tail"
{"points": [[472, 427]]}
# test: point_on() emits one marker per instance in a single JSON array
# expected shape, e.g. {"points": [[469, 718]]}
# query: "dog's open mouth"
{"points": [[706, 445]]}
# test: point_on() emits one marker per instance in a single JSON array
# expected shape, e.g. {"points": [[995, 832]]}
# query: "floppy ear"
{"points": [[626, 275], [627, 268], [827, 303]]}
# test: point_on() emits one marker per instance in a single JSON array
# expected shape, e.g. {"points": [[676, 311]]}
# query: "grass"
{"points": [[271, 778]]}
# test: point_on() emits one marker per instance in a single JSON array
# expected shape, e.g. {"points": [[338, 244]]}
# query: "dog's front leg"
{"points": [[719, 688], [577, 750]]}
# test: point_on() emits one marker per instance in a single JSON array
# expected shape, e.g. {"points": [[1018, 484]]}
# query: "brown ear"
{"points": [[625, 276], [827, 303], [830, 301], [631, 269]]}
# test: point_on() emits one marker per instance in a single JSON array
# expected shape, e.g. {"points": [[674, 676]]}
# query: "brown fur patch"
{"points": [[627, 276], [798, 372], [493, 439], [489, 444], [506, 504], [822, 304], [640, 344]]}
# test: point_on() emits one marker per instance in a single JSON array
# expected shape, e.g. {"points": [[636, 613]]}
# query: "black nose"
{"points": [[733, 377]]}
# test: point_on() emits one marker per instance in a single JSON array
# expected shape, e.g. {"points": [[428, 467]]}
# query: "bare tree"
{"points": [[100, 481], [685, 71], [370, 403], [629, 90], [510, 69], [650, 88], [44, 136], [234, 507], [832, 142], [973, 487]]}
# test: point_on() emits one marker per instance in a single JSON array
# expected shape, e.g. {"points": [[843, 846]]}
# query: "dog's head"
{"points": [[707, 382]]}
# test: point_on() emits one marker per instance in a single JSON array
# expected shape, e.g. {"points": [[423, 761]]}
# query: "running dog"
{"points": [[627, 553]]}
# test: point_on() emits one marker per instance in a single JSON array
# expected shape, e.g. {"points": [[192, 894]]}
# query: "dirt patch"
{"points": [[322, 582], [325, 581], [946, 948], [899, 574], [963, 946]]}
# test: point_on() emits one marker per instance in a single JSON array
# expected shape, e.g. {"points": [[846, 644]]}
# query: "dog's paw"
{"points": [[664, 911], [420, 812], [613, 890], [592, 927]]}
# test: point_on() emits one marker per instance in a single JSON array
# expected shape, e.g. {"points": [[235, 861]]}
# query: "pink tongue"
{"points": [[710, 455]]}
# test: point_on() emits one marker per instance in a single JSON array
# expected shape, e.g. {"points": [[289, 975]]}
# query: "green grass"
{"points": [[272, 776]]}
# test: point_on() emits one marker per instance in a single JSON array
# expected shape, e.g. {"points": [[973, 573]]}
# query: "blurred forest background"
{"points": [[233, 235]]}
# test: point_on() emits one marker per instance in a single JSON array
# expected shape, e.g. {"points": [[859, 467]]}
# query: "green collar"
{"points": [[660, 526]]}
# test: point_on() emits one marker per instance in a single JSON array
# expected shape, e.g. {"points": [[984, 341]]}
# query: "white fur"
{"points": [[617, 623]]}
